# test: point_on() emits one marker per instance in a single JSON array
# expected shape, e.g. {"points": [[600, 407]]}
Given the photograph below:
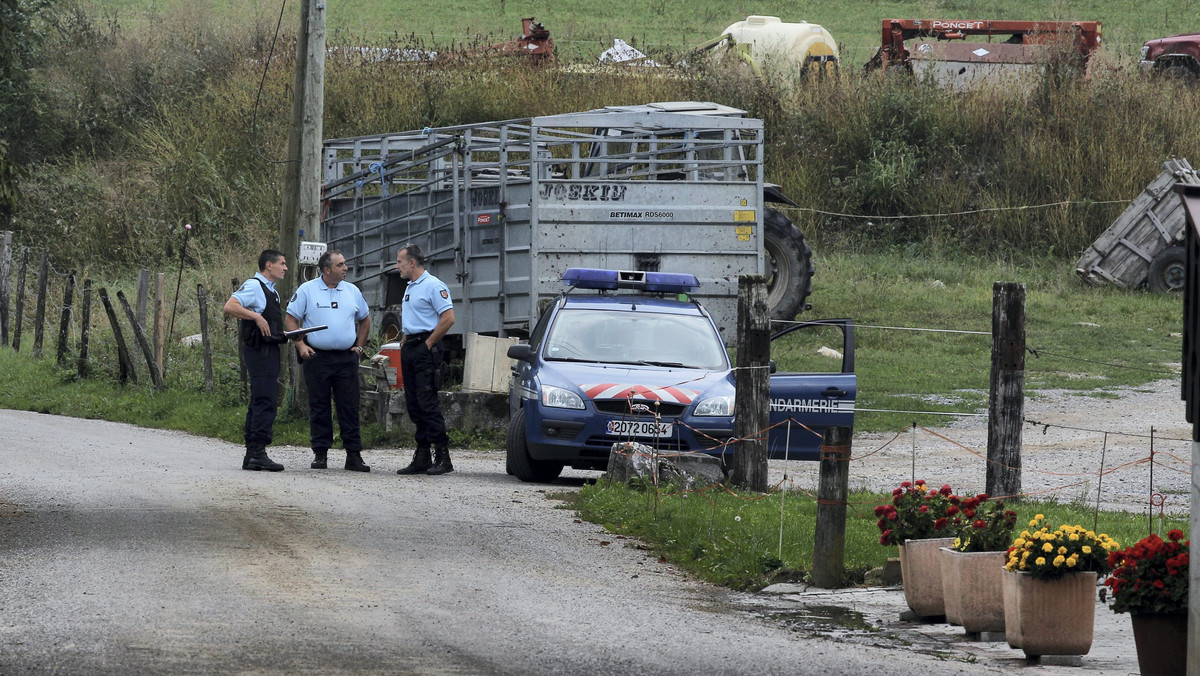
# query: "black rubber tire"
{"points": [[789, 266], [1168, 270], [1177, 72], [389, 327], [518, 461]]}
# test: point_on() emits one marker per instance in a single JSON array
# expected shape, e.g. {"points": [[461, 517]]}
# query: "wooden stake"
{"points": [[751, 410], [140, 336], [85, 325], [829, 543], [39, 321], [202, 299], [1006, 403], [127, 372], [160, 317], [143, 288], [65, 323], [19, 313], [5, 274]]}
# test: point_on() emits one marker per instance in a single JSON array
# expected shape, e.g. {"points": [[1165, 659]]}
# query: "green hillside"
{"points": [[584, 28]]}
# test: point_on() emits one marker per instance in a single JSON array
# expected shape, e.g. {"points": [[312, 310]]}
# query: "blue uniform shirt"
{"points": [[425, 299], [250, 294], [315, 304]]}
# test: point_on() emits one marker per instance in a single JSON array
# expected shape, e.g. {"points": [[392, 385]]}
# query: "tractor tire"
{"points": [[789, 266], [389, 327], [1168, 270], [518, 462]]}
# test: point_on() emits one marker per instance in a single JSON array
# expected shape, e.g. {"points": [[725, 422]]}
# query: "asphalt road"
{"points": [[131, 550]]}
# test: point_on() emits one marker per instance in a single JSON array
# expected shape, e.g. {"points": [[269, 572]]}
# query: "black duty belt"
{"points": [[417, 336]]}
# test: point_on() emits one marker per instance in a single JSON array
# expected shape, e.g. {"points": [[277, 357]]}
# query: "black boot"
{"points": [[319, 458], [354, 462], [419, 464], [256, 460], [441, 462]]}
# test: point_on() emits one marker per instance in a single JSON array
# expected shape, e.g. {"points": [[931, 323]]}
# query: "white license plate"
{"points": [[639, 428]]}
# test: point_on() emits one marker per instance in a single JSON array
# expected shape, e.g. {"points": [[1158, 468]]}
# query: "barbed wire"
{"points": [[948, 214]]}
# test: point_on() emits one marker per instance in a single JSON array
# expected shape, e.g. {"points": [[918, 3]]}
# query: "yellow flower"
{"points": [[1059, 560], [1011, 565], [1074, 537], [1062, 550], [1041, 561], [1087, 549], [1033, 522], [1025, 534], [1072, 560], [1020, 542], [1039, 517], [1047, 547]]}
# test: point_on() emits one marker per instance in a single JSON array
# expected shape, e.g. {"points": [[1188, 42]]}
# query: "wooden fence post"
{"points": [[751, 407], [202, 299], [65, 323], [5, 275], [39, 321], [19, 313], [127, 370], [159, 321], [140, 336], [143, 287], [1006, 402], [829, 544], [85, 325]]}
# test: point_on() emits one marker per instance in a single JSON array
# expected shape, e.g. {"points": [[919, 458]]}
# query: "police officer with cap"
{"points": [[260, 329], [426, 315], [331, 356]]}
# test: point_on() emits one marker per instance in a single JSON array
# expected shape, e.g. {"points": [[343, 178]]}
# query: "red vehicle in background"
{"points": [[1176, 56]]}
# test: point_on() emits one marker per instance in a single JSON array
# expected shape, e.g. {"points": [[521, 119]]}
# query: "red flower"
{"points": [[1175, 534], [979, 524], [951, 510], [924, 509]]}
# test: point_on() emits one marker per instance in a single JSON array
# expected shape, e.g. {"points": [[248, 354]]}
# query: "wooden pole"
{"points": [[39, 320], [19, 312], [829, 544], [140, 336], [85, 325], [127, 371], [5, 274], [65, 322], [143, 288], [160, 317], [202, 299], [1006, 402], [751, 408]]}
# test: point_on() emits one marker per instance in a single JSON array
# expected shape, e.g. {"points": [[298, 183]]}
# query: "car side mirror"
{"points": [[772, 366], [520, 352]]}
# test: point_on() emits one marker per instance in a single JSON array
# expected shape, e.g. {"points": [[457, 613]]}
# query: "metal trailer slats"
{"points": [[503, 208], [1152, 222]]}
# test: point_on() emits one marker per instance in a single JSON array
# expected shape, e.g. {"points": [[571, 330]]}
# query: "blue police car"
{"points": [[639, 361]]}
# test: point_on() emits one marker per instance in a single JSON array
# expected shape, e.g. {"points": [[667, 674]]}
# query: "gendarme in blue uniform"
{"points": [[425, 299], [250, 295], [315, 304]]}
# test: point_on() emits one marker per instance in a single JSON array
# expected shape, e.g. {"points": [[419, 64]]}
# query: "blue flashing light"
{"points": [[650, 282]]}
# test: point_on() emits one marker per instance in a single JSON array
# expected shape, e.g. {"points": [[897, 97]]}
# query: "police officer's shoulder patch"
{"points": [[293, 300], [445, 293]]}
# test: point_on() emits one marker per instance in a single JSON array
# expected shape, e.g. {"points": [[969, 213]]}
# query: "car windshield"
{"points": [[635, 337]]}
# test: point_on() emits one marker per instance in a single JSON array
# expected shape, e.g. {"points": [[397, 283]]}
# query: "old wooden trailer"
{"points": [[1144, 246]]}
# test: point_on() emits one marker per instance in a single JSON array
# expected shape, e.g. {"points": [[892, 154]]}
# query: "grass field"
{"points": [[582, 29]]}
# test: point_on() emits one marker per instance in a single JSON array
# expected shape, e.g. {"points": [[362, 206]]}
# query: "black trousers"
{"points": [[418, 367], [262, 365], [333, 374]]}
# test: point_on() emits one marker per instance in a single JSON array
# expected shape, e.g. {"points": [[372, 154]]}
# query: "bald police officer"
{"points": [[331, 356], [256, 307], [426, 315]]}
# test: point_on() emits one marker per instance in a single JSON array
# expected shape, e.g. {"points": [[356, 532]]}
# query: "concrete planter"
{"points": [[972, 583], [1050, 617], [921, 572]]}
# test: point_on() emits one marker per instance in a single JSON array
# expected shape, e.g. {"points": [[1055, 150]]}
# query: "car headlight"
{"points": [[1145, 52], [557, 397], [715, 406]]}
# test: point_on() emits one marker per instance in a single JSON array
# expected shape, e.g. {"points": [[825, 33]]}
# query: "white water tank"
{"points": [[775, 44]]}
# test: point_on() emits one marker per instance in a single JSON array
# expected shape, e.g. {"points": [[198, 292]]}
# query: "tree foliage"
{"points": [[21, 40]]}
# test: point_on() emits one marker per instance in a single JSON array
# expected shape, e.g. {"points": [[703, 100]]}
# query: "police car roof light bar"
{"points": [[652, 282]]}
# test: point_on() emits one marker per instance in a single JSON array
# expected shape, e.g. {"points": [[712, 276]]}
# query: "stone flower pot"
{"points": [[1050, 617], [972, 585], [921, 571]]}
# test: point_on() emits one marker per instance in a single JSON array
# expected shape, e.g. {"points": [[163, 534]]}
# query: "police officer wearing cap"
{"points": [[331, 356], [426, 315], [260, 331]]}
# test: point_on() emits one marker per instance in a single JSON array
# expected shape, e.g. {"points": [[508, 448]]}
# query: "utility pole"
{"points": [[301, 216], [300, 219]]}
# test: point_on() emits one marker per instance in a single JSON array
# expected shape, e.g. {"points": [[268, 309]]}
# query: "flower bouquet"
{"points": [[980, 524], [1150, 582], [1049, 553], [915, 513], [1151, 577]]}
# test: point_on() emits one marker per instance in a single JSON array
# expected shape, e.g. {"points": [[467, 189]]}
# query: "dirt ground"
{"points": [[1066, 455]]}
